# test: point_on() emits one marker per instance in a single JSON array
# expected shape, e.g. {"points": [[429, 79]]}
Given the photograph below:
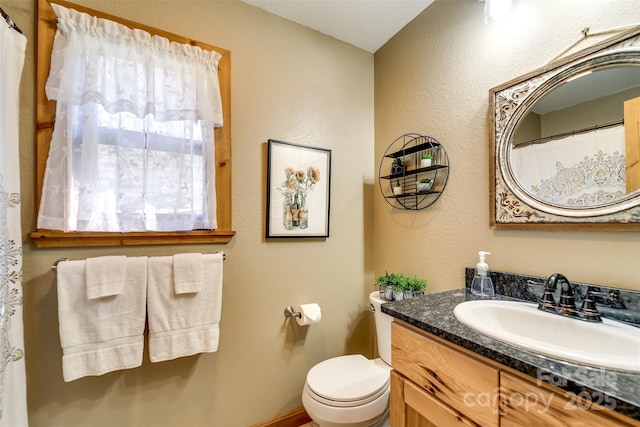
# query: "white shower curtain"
{"points": [[572, 168], [12, 368]]}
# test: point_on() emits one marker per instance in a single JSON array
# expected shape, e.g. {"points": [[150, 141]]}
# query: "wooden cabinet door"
{"points": [[413, 407], [523, 403], [449, 376]]}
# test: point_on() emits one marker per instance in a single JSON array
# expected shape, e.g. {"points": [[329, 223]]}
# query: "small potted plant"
{"points": [[397, 167], [426, 160], [424, 185], [384, 283], [396, 286], [400, 286], [397, 188], [416, 286], [388, 283]]}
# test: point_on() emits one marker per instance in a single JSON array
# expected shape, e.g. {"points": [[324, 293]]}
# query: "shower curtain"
{"points": [[577, 170], [12, 368]]}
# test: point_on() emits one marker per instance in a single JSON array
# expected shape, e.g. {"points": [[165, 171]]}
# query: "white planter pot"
{"points": [[423, 187], [425, 163], [397, 191]]}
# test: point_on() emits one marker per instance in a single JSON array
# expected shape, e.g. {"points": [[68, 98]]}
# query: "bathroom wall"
{"points": [[434, 78], [583, 115], [288, 83], [293, 84]]}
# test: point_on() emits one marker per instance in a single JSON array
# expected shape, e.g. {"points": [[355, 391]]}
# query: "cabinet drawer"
{"points": [[431, 409], [462, 382], [523, 403]]}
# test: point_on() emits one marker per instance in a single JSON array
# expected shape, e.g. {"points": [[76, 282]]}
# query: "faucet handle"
{"points": [[589, 311], [547, 302]]}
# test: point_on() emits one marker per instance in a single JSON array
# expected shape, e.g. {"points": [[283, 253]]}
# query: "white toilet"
{"points": [[353, 391]]}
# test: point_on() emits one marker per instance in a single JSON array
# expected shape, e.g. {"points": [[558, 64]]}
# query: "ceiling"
{"points": [[367, 24]]}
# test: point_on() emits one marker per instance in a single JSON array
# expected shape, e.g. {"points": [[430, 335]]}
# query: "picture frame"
{"points": [[298, 190]]}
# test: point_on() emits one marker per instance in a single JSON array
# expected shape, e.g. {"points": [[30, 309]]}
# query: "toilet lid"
{"points": [[347, 378]]}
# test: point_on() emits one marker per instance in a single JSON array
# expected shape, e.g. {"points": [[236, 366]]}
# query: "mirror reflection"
{"points": [[571, 150]]}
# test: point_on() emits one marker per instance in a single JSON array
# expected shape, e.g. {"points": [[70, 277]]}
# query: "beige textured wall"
{"points": [[434, 77], [584, 115], [288, 83], [293, 84]]}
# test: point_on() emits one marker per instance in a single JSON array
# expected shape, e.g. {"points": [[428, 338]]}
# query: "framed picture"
{"points": [[298, 189]]}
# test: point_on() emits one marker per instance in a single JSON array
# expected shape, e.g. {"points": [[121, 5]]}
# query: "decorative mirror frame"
{"points": [[510, 206]]}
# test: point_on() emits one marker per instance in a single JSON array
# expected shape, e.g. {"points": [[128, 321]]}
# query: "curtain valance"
{"points": [[129, 70]]}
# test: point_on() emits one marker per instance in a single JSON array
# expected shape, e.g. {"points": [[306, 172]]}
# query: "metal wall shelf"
{"points": [[413, 172], [409, 148]]}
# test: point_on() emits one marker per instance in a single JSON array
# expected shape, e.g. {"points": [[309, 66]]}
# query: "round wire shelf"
{"points": [[402, 166]]}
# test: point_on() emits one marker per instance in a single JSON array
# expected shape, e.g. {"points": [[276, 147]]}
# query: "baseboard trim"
{"points": [[294, 418]]}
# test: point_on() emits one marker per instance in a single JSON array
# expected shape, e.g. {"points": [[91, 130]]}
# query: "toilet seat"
{"points": [[342, 404], [347, 381]]}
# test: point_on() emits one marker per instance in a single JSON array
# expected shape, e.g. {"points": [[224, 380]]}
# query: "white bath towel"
{"points": [[105, 276], [183, 324], [187, 273], [104, 334]]}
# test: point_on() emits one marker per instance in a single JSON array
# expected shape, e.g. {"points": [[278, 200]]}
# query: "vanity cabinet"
{"points": [[438, 376], [412, 406], [436, 383], [524, 403]]}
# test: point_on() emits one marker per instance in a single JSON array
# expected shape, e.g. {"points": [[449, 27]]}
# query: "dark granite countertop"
{"points": [[433, 313]]}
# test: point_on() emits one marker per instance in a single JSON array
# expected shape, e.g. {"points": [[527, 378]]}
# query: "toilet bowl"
{"points": [[352, 390]]}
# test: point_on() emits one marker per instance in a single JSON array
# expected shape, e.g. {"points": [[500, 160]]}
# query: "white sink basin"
{"points": [[609, 344]]}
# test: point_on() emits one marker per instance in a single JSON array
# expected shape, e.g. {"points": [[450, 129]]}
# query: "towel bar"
{"points": [[54, 267]]}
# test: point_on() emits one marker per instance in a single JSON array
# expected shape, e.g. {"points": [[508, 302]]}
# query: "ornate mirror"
{"points": [[565, 142]]}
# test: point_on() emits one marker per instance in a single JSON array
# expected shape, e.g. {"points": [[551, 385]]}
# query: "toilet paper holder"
{"points": [[290, 312]]}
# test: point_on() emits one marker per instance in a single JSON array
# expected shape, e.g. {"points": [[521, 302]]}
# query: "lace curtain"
{"points": [[13, 394], [133, 142], [579, 170]]}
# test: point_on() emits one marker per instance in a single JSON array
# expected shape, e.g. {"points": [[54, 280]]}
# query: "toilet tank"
{"points": [[383, 327]]}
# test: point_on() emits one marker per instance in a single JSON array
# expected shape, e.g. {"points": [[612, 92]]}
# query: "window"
{"points": [[153, 171]]}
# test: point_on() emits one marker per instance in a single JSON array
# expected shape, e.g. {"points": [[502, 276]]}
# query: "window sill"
{"points": [[60, 239]]}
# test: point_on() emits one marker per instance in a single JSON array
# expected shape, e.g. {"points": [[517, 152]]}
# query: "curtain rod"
{"points": [[54, 267], [562, 135]]}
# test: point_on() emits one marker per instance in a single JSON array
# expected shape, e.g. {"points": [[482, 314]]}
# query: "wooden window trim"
{"points": [[45, 118]]}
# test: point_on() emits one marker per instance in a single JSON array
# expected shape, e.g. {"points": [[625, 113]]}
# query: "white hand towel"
{"points": [[105, 276], [187, 273], [104, 334], [183, 324]]}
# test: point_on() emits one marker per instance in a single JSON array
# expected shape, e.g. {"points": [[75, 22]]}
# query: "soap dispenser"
{"points": [[482, 284]]}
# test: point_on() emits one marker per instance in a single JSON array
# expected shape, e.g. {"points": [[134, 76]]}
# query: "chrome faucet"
{"points": [[567, 305]]}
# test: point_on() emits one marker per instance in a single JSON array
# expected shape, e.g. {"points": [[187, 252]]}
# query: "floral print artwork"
{"points": [[295, 189]]}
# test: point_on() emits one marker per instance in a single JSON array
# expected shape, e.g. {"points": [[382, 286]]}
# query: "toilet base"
{"points": [[384, 422], [326, 416]]}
